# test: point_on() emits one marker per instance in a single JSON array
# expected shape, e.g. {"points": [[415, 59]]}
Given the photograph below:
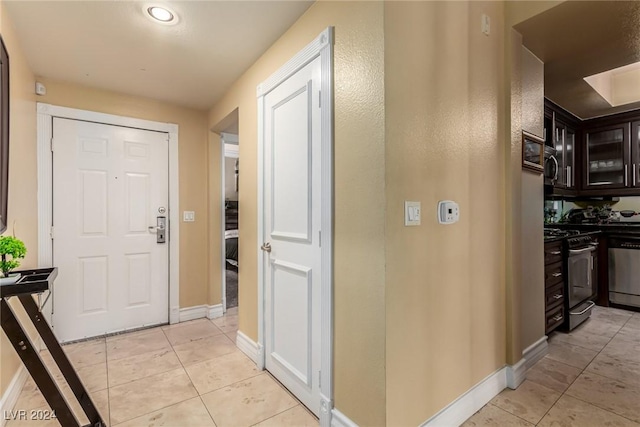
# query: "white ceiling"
{"points": [[113, 45]]}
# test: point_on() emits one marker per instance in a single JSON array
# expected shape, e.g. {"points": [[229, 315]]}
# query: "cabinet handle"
{"points": [[557, 274], [555, 253], [558, 318], [557, 296], [634, 174], [569, 180], [626, 175]]}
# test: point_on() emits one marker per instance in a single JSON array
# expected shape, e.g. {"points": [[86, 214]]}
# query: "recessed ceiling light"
{"points": [[161, 14]]}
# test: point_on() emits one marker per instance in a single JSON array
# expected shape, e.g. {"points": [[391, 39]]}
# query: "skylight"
{"points": [[619, 86]]}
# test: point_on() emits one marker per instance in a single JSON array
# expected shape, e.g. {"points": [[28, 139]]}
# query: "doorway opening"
{"points": [[230, 176]]}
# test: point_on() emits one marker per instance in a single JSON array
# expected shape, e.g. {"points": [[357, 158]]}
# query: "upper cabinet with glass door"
{"points": [[607, 157], [635, 154], [565, 138]]}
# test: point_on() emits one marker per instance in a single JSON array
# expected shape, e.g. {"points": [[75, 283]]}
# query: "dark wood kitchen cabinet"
{"points": [[607, 157], [561, 130], [596, 157], [565, 142], [554, 282], [635, 154]]}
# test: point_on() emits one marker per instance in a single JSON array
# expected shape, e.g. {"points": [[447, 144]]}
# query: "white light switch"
{"points": [[189, 216], [411, 213], [486, 25]]}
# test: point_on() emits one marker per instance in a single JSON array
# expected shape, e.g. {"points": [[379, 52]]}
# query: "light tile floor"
{"points": [[189, 374], [590, 377]]}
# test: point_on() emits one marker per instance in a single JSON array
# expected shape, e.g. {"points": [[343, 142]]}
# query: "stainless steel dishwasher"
{"points": [[624, 270]]}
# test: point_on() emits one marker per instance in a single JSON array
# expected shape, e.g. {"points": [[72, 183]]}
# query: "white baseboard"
{"points": [[11, 394], [338, 419], [535, 352], [247, 346], [215, 311], [516, 374], [200, 311], [192, 313], [470, 402]]}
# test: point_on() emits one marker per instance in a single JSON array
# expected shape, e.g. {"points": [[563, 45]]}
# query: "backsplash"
{"points": [[555, 209]]}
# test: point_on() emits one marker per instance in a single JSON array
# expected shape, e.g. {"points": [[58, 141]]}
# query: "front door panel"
{"points": [[109, 183]]}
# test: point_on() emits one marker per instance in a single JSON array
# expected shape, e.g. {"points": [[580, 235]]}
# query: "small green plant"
{"points": [[11, 251]]}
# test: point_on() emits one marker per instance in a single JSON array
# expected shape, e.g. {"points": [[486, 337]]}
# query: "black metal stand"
{"points": [[32, 282]]}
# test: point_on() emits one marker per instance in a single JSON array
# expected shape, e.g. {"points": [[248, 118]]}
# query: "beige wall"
{"points": [[532, 311], [359, 194], [532, 245], [515, 12], [193, 166], [22, 172], [445, 305]]}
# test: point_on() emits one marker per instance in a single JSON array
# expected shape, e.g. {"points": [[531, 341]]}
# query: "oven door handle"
{"points": [[582, 251], [591, 304]]}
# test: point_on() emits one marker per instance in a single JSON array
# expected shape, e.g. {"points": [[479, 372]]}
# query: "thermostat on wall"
{"points": [[448, 212]]}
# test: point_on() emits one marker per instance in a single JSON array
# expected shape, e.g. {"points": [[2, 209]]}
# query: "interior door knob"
{"points": [[266, 247]]}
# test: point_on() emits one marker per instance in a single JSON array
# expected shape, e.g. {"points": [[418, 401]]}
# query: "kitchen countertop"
{"points": [[622, 227]]}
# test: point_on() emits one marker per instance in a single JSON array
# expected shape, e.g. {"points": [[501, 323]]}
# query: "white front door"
{"points": [[110, 184], [292, 220]]}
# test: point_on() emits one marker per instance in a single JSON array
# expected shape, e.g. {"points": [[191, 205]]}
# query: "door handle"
{"points": [[266, 247], [160, 229]]}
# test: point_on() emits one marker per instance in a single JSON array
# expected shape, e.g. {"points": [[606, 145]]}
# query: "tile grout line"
{"points": [[273, 416], [585, 370], [158, 409], [185, 371], [191, 381], [194, 386], [504, 410], [106, 362], [578, 376]]}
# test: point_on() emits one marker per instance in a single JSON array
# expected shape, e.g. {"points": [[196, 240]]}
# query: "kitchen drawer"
{"points": [[555, 318], [554, 296], [552, 252], [553, 275]]}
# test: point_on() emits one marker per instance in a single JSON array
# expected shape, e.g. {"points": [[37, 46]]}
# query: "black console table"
{"points": [[33, 282]]}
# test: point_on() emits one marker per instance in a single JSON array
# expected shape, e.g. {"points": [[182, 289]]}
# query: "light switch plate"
{"points": [[412, 213], [189, 216]]}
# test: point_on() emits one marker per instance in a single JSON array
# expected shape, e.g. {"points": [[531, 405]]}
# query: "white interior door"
{"points": [[110, 184], [292, 220]]}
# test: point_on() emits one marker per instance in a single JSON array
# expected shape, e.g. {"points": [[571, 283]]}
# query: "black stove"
{"points": [[579, 251], [552, 233], [580, 241]]}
